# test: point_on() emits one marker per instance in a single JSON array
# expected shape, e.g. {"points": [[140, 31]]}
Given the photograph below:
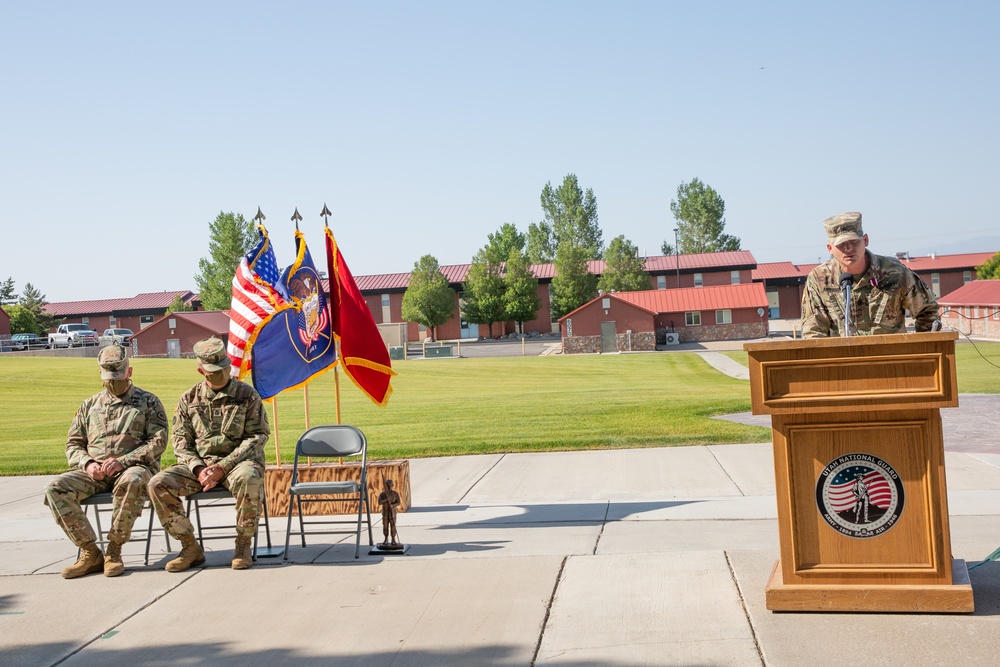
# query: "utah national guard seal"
{"points": [[859, 495]]}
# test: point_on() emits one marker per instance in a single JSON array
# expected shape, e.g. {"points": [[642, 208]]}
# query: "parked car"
{"points": [[115, 336], [25, 341], [72, 335]]}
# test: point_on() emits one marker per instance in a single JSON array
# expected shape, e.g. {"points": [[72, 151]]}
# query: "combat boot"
{"points": [[113, 565], [191, 554], [242, 559], [91, 560]]}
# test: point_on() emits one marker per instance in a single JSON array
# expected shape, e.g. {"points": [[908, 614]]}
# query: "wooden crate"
{"points": [[277, 479]]}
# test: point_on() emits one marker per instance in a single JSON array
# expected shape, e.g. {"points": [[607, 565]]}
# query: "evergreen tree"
{"points": [[521, 301], [428, 299], [34, 301], [624, 270], [230, 238], [8, 294]]}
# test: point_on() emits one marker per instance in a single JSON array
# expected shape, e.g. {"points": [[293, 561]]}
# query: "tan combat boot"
{"points": [[91, 560], [113, 565], [241, 556], [191, 554]]}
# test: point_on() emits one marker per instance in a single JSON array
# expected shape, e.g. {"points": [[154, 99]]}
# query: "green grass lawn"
{"points": [[444, 406]]}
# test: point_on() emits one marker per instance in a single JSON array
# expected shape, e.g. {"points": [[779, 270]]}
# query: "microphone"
{"points": [[846, 280]]}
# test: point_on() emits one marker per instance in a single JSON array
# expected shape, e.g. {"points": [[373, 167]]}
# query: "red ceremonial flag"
{"points": [[363, 356]]}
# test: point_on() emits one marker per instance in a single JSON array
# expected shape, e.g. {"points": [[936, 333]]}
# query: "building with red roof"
{"points": [[628, 321], [784, 283], [135, 313], [973, 309], [174, 335], [4, 322], [946, 273]]}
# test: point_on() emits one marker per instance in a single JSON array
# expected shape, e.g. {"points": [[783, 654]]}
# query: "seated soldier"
{"points": [[114, 444]]}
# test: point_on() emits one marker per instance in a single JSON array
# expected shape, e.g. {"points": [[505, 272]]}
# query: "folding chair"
{"points": [[103, 502], [220, 496], [331, 441]]}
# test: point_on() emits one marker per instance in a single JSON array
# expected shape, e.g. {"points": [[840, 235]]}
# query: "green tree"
{"points": [[428, 299], [178, 306], [990, 269], [22, 320], [521, 301], [505, 238], [571, 214], [484, 289], [34, 301], [624, 270], [8, 294], [540, 246], [573, 285], [700, 214], [230, 238]]}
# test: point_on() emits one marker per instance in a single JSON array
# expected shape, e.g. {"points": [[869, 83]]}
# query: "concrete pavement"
{"points": [[611, 557]]}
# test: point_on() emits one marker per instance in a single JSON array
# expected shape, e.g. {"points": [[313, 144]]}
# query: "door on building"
{"points": [[609, 341], [173, 348], [773, 304]]}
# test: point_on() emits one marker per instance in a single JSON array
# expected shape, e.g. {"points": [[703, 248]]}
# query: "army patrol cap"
{"points": [[844, 227], [211, 354], [113, 360]]}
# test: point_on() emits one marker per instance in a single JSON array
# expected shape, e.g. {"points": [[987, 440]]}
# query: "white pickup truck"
{"points": [[72, 335]]}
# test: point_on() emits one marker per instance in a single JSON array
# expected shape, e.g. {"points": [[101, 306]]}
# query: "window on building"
{"points": [[145, 320], [85, 320], [734, 277], [966, 277], [692, 319], [724, 316], [112, 322], [661, 282], [936, 285], [697, 280], [386, 316]]}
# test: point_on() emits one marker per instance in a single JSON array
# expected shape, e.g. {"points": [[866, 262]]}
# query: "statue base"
{"points": [[386, 549]]}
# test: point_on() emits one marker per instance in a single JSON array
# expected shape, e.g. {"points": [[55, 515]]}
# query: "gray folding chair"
{"points": [[334, 441], [220, 496], [104, 502]]}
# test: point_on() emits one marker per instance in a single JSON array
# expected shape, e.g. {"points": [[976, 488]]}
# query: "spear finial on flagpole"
{"points": [[325, 214], [260, 217], [296, 217]]}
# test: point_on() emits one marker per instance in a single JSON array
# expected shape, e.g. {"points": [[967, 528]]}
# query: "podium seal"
{"points": [[859, 495]]}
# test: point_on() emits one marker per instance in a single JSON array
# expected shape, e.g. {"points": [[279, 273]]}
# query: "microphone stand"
{"points": [[846, 280]]}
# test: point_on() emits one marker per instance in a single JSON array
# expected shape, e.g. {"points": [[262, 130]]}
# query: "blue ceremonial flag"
{"points": [[295, 344]]}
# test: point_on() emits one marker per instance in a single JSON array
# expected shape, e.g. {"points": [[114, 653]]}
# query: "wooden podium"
{"points": [[859, 472]]}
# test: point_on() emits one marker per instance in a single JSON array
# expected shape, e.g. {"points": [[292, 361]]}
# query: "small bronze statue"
{"points": [[389, 500]]}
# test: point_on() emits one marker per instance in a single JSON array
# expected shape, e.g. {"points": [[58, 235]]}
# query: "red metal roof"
{"points": [[806, 269], [706, 260], [691, 298], [213, 320], [976, 293], [777, 270], [947, 262], [147, 301]]}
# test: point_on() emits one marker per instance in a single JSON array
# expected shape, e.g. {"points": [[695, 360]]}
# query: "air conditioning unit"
{"points": [[673, 338]]}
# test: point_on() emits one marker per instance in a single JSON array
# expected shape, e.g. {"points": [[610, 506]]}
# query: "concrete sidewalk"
{"points": [[593, 558]]}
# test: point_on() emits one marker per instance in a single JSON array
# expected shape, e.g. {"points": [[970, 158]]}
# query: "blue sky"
{"points": [[425, 126]]}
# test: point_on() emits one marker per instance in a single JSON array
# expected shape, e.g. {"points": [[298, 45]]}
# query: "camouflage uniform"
{"points": [[880, 298], [131, 428], [227, 427]]}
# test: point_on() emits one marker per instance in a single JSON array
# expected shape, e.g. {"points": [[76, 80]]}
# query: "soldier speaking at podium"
{"points": [[881, 290]]}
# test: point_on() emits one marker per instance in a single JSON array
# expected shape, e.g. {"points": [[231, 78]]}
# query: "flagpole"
{"points": [[336, 386], [305, 397], [325, 214], [277, 444]]}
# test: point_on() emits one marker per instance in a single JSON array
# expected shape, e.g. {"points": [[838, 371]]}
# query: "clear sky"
{"points": [[126, 127]]}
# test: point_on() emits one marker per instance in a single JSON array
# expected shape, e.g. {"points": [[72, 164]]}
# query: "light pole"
{"points": [[677, 261]]}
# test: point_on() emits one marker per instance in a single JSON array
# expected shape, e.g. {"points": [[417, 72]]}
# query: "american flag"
{"points": [[841, 488], [254, 298]]}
